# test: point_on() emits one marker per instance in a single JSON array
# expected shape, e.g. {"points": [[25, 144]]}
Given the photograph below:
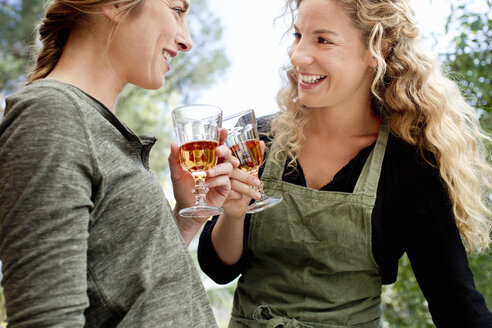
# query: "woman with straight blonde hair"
{"points": [[87, 238], [376, 154]]}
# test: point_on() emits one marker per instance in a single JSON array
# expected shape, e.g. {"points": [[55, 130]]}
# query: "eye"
{"points": [[324, 41], [296, 35], [179, 11]]}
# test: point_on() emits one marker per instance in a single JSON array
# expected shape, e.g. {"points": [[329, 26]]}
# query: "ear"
{"points": [[112, 13], [387, 50]]}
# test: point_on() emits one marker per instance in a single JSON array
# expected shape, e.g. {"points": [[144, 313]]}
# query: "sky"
{"points": [[255, 48]]}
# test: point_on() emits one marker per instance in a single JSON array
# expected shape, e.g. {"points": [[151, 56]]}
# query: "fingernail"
{"points": [[257, 182], [211, 172], [257, 195]]}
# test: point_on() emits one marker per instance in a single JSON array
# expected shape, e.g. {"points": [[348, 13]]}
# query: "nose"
{"points": [[300, 54], [183, 38]]}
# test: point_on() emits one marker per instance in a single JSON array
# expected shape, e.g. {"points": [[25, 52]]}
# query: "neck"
{"points": [[346, 121], [84, 63]]}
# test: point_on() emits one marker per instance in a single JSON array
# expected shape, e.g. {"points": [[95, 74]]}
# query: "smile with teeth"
{"points": [[310, 79], [167, 56]]}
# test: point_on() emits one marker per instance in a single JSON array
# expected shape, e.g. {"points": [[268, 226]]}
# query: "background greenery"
{"points": [[468, 61]]}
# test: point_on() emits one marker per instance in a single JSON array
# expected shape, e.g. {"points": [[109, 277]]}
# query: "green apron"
{"points": [[312, 263]]}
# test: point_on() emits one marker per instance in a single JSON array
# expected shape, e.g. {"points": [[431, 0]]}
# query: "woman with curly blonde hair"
{"points": [[376, 154]]}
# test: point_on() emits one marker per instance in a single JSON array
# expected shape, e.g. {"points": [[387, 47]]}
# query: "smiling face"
{"points": [[332, 64], [147, 38]]}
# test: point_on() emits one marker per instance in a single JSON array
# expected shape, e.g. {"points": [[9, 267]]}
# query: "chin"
{"points": [[309, 102], [151, 85]]}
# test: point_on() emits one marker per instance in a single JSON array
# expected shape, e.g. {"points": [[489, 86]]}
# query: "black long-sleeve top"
{"points": [[412, 214]]}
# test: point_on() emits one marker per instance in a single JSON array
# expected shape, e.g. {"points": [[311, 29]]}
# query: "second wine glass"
{"points": [[244, 142]]}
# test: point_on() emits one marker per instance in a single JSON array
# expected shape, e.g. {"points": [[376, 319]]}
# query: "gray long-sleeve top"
{"points": [[87, 238]]}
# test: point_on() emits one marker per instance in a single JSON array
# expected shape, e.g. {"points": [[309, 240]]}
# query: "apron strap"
{"points": [[271, 169], [369, 177]]}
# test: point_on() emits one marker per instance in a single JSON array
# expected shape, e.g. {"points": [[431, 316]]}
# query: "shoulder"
{"points": [[42, 98], [42, 91], [410, 175], [42, 111], [408, 159], [45, 102], [264, 124]]}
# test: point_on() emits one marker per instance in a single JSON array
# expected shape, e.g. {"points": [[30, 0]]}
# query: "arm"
{"points": [[209, 261], [45, 171], [217, 181], [223, 251], [439, 260], [227, 235]]}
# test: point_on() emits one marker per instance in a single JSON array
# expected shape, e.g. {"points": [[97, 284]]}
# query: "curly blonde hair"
{"points": [[424, 108], [60, 17]]}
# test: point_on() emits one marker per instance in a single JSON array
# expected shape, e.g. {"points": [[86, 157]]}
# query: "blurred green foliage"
{"points": [[468, 62], [471, 61]]}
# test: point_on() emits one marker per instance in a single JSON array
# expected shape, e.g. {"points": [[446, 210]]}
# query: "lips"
{"points": [[311, 78], [310, 81], [167, 56]]}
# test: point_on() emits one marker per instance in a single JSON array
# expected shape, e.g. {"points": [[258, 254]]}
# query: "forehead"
{"points": [[185, 3], [323, 13]]}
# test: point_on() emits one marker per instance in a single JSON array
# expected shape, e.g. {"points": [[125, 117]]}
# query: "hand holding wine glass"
{"points": [[244, 142], [197, 129]]}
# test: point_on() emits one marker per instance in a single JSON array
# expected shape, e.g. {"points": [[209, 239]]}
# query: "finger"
{"points": [[234, 195], [225, 168], [246, 178], [224, 154], [174, 154], [244, 189], [221, 181], [173, 159], [222, 136]]}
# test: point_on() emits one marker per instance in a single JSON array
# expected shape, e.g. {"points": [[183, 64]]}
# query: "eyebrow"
{"points": [[322, 31], [186, 4]]}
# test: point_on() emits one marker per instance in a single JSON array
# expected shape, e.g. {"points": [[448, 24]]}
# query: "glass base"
{"points": [[263, 203], [202, 211]]}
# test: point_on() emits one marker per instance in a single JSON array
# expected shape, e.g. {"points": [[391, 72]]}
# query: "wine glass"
{"points": [[244, 142], [197, 129]]}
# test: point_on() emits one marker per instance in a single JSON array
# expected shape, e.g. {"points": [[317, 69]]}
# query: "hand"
{"points": [[242, 191], [217, 181]]}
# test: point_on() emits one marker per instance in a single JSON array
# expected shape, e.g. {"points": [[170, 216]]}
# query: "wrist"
{"points": [[188, 226]]}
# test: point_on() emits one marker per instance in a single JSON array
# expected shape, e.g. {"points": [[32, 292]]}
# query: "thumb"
{"points": [[222, 136], [173, 158]]}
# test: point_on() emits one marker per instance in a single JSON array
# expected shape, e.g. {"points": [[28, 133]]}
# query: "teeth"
{"points": [[167, 55], [311, 78]]}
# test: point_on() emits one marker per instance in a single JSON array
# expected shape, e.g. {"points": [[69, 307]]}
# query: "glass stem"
{"points": [[200, 192], [260, 190]]}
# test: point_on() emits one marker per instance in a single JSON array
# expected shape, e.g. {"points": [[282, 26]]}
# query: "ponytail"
{"points": [[53, 33], [60, 17]]}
